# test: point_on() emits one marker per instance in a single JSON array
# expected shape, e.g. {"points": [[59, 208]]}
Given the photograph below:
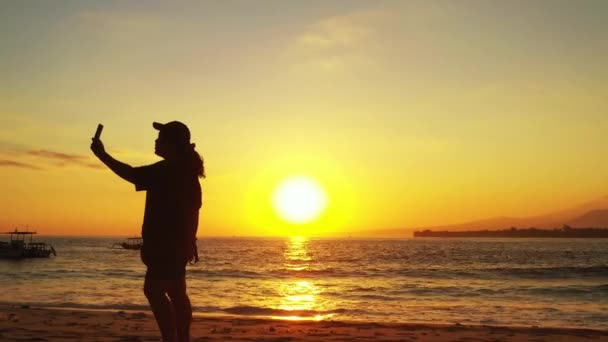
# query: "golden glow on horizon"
{"points": [[467, 129], [299, 199], [337, 184]]}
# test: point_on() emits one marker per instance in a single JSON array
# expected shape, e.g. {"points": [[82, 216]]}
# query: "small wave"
{"points": [[439, 274], [73, 305], [501, 272], [602, 288], [364, 297], [451, 291], [227, 273], [429, 273], [262, 311], [574, 291], [551, 272], [369, 289], [273, 274], [322, 273], [121, 274], [377, 297]]}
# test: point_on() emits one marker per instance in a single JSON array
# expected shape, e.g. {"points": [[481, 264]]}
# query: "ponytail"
{"points": [[197, 161], [192, 160]]}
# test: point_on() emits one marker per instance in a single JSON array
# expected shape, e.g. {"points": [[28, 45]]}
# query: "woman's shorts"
{"points": [[166, 271]]}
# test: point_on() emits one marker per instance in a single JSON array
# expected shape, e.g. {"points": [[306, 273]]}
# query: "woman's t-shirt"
{"points": [[173, 201]]}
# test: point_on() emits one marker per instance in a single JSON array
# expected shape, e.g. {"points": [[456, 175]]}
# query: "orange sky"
{"points": [[409, 113]]}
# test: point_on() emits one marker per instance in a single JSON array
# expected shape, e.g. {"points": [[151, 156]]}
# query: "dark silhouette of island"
{"points": [[590, 214], [513, 232], [593, 218]]}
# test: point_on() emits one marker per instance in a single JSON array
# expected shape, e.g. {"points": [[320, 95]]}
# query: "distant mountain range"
{"points": [[593, 214], [594, 218]]}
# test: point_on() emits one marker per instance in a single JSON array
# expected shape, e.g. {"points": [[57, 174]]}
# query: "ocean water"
{"points": [[541, 282]]}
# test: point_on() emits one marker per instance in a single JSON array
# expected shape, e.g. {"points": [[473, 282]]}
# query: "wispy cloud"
{"points": [[12, 163], [334, 42], [38, 159], [59, 156], [63, 159], [345, 31]]}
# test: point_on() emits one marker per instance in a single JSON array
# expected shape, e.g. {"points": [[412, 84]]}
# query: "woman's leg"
{"points": [[155, 290], [182, 308]]}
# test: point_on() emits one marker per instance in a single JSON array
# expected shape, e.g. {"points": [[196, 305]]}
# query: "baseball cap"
{"points": [[174, 131]]}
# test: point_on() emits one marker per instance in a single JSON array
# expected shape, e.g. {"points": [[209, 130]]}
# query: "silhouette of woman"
{"points": [[173, 201]]}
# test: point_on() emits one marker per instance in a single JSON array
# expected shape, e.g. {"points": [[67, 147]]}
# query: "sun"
{"points": [[299, 199]]}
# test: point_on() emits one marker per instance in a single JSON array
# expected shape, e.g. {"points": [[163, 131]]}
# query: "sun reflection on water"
{"points": [[296, 254], [299, 296]]}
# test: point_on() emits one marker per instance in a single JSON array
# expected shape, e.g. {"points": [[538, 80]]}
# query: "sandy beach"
{"points": [[25, 323]]}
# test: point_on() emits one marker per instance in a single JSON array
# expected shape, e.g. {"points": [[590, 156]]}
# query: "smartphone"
{"points": [[98, 131]]}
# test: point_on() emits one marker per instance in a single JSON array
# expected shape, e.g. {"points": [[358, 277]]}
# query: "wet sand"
{"points": [[25, 323]]}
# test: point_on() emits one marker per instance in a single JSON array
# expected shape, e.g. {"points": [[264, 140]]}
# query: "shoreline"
{"points": [[275, 318], [24, 322]]}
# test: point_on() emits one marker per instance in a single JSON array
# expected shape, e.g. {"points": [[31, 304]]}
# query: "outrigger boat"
{"points": [[130, 243], [18, 248]]}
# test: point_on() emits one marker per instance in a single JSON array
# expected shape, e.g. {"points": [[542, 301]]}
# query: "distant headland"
{"points": [[513, 232]]}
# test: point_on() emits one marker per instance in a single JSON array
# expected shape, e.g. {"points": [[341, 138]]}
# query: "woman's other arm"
{"points": [[123, 170]]}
